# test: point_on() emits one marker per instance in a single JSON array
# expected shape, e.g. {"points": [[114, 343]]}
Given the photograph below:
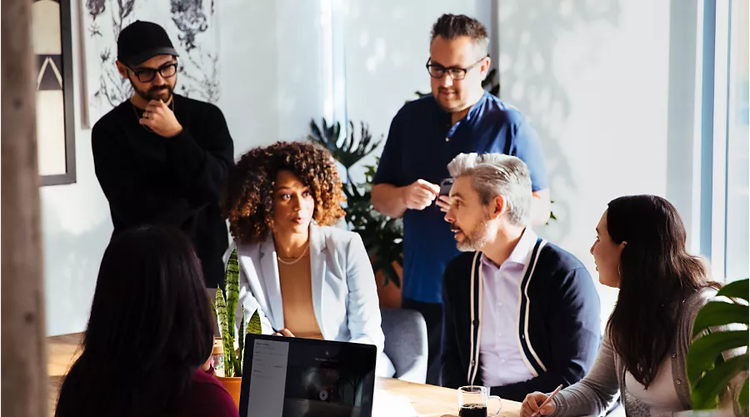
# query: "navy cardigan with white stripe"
{"points": [[558, 328]]}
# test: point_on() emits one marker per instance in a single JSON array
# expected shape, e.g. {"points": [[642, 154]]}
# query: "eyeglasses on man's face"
{"points": [[438, 71], [146, 75]]}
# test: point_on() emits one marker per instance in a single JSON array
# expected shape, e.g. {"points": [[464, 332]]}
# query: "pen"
{"points": [[538, 412]]}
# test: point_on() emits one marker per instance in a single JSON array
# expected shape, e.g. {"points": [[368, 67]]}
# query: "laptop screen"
{"points": [[293, 377]]}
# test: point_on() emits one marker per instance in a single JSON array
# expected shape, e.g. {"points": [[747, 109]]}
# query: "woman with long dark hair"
{"points": [[640, 248], [149, 336]]}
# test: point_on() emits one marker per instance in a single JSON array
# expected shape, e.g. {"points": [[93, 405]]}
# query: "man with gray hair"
{"points": [[519, 314]]}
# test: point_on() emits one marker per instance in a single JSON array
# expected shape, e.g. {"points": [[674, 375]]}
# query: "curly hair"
{"points": [[247, 200]]}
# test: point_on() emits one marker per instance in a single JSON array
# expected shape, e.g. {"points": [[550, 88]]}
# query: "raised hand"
{"points": [[419, 194], [161, 119]]}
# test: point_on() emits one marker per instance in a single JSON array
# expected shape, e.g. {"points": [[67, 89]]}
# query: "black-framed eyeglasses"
{"points": [[146, 75], [438, 71]]}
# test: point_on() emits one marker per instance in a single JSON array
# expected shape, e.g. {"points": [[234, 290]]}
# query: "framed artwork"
{"points": [[55, 123]]}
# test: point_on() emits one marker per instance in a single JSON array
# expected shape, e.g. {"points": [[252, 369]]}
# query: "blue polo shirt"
{"points": [[421, 142]]}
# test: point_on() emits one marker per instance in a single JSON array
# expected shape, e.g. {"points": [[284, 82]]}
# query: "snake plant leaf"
{"points": [[227, 335], [736, 289], [241, 341], [232, 282], [254, 326], [719, 313], [704, 351], [705, 393]]}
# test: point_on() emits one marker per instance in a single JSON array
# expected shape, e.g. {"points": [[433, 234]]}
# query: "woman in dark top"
{"points": [[149, 336]]}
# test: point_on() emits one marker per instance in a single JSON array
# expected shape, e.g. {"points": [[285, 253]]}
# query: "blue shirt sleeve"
{"points": [[529, 150], [389, 168]]}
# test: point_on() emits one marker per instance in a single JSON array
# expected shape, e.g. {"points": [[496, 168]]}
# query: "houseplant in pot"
{"points": [[381, 235], [712, 373], [234, 349]]}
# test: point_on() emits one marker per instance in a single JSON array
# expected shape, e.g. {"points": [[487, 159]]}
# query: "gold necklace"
{"points": [[295, 259]]}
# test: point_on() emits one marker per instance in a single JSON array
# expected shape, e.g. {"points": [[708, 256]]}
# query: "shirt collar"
{"points": [[520, 253], [475, 109]]}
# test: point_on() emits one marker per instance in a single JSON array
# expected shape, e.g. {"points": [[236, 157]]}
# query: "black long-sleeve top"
{"points": [[149, 179]]}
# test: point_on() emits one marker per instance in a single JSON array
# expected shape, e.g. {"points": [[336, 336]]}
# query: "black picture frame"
{"points": [[66, 61]]}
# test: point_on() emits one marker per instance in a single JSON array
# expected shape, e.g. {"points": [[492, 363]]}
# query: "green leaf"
{"points": [[254, 326], [232, 283], [736, 289], [705, 350], [227, 336], [718, 313], [742, 400], [706, 392], [241, 341]]}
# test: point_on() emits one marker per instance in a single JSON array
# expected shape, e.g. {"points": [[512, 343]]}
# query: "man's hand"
{"points": [[419, 194], [160, 119], [444, 202]]}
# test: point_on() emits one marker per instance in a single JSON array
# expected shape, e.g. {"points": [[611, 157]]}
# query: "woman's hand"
{"points": [[531, 404], [284, 332]]}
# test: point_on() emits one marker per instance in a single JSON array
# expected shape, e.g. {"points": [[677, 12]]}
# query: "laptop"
{"points": [[295, 377]]}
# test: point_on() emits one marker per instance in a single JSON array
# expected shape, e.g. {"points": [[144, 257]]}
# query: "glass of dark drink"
{"points": [[472, 401]]}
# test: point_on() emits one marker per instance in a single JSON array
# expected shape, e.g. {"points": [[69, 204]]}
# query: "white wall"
{"points": [[272, 67]]}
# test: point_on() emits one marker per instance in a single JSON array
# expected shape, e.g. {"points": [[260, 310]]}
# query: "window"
{"points": [[725, 169]]}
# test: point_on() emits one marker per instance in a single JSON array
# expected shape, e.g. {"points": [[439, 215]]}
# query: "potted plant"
{"points": [[381, 235], [234, 350], [709, 373]]}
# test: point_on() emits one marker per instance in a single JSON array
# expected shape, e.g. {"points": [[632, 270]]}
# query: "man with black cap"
{"points": [[162, 158]]}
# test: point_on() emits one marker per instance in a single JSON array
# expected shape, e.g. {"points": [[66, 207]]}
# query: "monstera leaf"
{"points": [[708, 371]]}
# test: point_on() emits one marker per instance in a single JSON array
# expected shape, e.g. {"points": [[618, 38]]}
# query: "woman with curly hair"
{"points": [[306, 278]]}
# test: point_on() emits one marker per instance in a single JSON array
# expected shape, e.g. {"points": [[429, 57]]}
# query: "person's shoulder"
{"points": [[208, 391], [205, 378], [418, 106], [338, 235], [558, 260], [496, 108], [459, 268], [114, 116], [695, 301], [201, 106]]}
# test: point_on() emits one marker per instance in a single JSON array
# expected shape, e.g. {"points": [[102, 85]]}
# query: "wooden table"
{"points": [[427, 400]]}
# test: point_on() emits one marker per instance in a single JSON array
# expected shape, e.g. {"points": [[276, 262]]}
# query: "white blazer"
{"points": [[345, 298]]}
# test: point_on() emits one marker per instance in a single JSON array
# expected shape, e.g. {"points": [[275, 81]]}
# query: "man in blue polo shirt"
{"points": [[426, 134]]}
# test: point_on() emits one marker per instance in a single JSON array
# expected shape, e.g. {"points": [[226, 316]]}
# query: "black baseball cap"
{"points": [[141, 41]]}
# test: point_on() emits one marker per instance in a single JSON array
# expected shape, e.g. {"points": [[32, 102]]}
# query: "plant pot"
{"points": [[233, 385], [389, 294]]}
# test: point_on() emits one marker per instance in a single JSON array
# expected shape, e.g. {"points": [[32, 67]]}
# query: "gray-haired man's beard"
{"points": [[477, 239]]}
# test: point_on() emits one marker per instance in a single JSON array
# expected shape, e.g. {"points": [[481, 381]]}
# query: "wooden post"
{"points": [[24, 358]]}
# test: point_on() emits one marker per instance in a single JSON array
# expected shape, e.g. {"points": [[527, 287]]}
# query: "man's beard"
{"points": [[453, 106], [155, 93], [478, 238]]}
